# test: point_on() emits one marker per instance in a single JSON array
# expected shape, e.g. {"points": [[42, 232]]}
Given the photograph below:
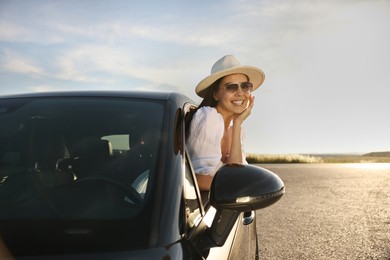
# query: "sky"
{"points": [[327, 63]]}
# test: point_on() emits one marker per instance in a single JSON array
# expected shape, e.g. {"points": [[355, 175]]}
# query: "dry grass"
{"points": [[282, 158], [300, 158], [357, 159]]}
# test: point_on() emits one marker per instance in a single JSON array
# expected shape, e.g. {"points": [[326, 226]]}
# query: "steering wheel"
{"points": [[134, 195]]}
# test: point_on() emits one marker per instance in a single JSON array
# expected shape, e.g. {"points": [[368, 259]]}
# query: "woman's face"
{"points": [[232, 100]]}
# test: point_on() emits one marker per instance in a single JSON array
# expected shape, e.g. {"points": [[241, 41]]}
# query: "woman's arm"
{"points": [[235, 155], [204, 182]]}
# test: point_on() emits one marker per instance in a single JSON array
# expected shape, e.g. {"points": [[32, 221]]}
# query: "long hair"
{"points": [[207, 101]]}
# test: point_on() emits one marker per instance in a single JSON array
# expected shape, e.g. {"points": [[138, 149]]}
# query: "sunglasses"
{"points": [[246, 87]]}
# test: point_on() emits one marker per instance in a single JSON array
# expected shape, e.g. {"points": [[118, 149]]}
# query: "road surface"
{"points": [[329, 211]]}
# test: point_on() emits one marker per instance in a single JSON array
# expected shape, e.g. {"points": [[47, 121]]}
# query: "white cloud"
{"points": [[42, 88], [52, 32], [21, 64], [12, 32], [106, 65]]}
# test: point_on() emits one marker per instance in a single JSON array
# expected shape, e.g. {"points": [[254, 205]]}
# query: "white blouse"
{"points": [[204, 141]]}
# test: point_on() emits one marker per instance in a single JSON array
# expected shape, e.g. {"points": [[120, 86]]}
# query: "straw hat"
{"points": [[228, 65]]}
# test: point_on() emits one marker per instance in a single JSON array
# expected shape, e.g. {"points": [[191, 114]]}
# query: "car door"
{"points": [[242, 240], [199, 216]]}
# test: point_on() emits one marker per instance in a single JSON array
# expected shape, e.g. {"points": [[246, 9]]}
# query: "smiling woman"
{"points": [[215, 127]]}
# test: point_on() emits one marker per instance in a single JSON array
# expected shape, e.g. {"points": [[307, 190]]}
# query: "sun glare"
{"points": [[369, 165]]}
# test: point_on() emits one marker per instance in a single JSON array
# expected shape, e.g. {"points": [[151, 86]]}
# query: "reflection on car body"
{"points": [[106, 174]]}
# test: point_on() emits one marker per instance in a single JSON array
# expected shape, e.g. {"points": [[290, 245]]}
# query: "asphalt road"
{"points": [[329, 211]]}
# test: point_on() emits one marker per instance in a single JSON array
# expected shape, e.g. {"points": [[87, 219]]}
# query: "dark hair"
{"points": [[208, 101]]}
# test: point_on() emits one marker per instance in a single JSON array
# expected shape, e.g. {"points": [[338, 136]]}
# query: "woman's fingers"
{"points": [[241, 117], [251, 102], [248, 110]]}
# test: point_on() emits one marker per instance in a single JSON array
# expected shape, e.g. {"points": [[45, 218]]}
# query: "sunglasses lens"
{"points": [[246, 87], [233, 87]]}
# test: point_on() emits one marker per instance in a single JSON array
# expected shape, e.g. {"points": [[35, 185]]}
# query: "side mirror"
{"points": [[245, 188], [238, 188]]}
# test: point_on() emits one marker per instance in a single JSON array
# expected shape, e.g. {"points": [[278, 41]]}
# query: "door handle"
{"points": [[248, 217]]}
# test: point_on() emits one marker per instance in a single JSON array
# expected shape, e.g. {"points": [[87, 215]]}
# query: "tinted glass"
{"points": [[81, 166]]}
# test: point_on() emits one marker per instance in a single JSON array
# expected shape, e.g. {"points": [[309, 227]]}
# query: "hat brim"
{"points": [[256, 77]]}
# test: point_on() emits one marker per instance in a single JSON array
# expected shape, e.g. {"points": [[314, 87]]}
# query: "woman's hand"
{"points": [[240, 118]]}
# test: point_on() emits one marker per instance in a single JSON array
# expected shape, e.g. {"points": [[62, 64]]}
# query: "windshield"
{"points": [[81, 166]]}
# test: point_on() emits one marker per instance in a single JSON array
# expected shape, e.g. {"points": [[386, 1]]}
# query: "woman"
{"points": [[215, 135]]}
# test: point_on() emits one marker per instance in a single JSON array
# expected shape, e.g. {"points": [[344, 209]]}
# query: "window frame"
{"points": [[187, 166]]}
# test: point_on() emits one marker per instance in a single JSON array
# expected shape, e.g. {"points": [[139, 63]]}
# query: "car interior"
{"points": [[57, 165]]}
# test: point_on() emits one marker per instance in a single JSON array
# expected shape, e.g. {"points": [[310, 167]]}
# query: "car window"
{"points": [[81, 162], [59, 141], [119, 143]]}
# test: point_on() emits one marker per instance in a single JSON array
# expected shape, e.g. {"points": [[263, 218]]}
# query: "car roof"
{"points": [[156, 95]]}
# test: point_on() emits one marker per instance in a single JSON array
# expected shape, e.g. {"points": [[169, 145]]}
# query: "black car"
{"points": [[106, 175]]}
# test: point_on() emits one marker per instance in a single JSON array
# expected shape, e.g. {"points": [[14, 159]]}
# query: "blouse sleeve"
{"points": [[204, 141]]}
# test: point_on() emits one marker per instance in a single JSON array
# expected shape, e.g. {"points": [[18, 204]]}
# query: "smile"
{"points": [[238, 102]]}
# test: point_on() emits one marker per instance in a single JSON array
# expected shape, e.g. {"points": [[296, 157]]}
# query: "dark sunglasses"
{"points": [[246, 87]]}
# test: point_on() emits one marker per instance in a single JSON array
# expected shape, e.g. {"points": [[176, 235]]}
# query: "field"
{"points": [[320, 158]]}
